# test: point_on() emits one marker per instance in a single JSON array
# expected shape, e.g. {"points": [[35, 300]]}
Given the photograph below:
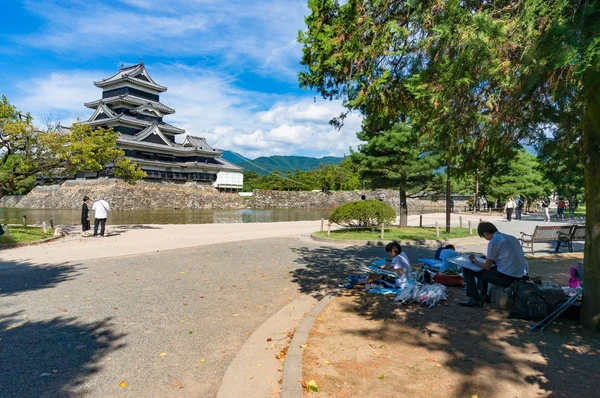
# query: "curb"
{"points": [[292, 371], [253, 372], [432, 244]]}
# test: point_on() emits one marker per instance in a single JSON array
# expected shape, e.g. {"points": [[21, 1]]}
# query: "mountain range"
{"points": [[267, 164]]}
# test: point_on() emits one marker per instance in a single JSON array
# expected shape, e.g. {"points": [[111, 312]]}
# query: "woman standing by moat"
{"points": [[85, 216]]}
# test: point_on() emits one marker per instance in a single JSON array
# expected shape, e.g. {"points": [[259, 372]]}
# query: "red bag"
{"points": [[448, 279]]}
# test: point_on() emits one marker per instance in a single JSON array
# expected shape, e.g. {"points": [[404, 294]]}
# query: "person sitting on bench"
{"points": [[505, 264]]}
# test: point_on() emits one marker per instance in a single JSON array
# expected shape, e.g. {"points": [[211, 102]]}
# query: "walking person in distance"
{"points": [[101, 208], [509, 207], [545, 205]]}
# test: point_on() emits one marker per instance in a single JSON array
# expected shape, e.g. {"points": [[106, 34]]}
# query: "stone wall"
{"points": [[152, 195], [262, 199], [123, 196]]}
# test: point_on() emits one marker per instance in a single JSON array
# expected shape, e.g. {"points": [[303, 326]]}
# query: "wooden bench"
{"points": [[543, 233], [577, 234]]}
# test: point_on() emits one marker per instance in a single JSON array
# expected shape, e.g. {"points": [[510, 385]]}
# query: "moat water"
{"points": [[205, 216], [127, 217]]}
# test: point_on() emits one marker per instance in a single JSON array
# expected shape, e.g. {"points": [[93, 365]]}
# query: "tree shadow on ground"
{"points": [[562, 360], [22, 276], [52, 358], [325, 267]]}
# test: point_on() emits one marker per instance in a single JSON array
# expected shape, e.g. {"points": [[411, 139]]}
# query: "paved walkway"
{"points": [[81, 315]]}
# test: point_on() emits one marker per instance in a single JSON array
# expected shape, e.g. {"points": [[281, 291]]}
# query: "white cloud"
{"points": [[59, 96], [210, 105], [259, 35]]}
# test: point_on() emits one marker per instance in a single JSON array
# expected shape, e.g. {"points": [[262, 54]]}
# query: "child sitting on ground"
{"points": [[400, 265]]}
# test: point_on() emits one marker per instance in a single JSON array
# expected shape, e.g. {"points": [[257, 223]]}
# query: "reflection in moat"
{"points": [[205, 216]]}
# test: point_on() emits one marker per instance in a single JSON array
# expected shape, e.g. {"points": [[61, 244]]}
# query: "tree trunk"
{"points": [[476, 191], [403, 208], [448, 190], [590, 314]]}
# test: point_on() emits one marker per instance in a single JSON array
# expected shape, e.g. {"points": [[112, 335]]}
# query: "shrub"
{"points": [[363, 213]]}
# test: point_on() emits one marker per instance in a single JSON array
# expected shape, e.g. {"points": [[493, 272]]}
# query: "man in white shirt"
{"points": [[101, 209], [504, 252]]}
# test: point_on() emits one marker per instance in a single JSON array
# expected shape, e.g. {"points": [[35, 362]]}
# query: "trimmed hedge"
{"points": [[363, 213]]}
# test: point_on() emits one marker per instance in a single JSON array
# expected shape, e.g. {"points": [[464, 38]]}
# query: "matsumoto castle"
{"points": [[131, 105]]}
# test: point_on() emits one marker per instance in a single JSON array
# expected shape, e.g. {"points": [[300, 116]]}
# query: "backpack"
{"points": [[529, 302], [575, 276]]}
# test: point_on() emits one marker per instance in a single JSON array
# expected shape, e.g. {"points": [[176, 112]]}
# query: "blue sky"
{"points": [[231, 67]]}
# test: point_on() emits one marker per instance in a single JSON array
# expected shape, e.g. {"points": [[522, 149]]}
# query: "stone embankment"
{"points": [[123, 196], [262, 199], [151, 195]]}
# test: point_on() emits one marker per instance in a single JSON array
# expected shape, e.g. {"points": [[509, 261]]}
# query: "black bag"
{"points": [[1, 230], [529, 301]]}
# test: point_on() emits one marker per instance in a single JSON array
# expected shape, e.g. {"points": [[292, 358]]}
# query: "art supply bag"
{"points": [[529, 300], [448, 279]]}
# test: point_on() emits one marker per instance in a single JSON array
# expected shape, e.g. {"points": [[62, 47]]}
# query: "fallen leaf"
{"points": [[258, 364], [202, 360], [177, 279], [122, 384], [272, 345], [109, 359], [312, 386], [382, 346], [162, 354], [438, 365], [326, 362], [116, 308], [319, 319], [475, 396], [236, 314], [303, 345], [381, 377], [177, 383], [431, 359], [282, 354], [269, 339], [182, 272]]}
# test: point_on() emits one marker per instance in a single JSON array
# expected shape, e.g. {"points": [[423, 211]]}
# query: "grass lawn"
{"points": [[580, 212], [19, 234], [396, 233]]}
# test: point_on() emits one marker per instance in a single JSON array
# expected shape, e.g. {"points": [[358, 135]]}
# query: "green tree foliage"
{"points": [[396, 158], [344, 176], [27, 152], [524, 177], [365, 213], [562, 161], [470, 75]]}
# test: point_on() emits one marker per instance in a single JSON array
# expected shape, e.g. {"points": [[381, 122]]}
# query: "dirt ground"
{"points": [[366, 346]]}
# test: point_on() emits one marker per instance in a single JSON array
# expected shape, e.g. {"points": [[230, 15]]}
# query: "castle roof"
{"points": [[135, 74], [130, 120], [131, 100], [197, 142]]}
